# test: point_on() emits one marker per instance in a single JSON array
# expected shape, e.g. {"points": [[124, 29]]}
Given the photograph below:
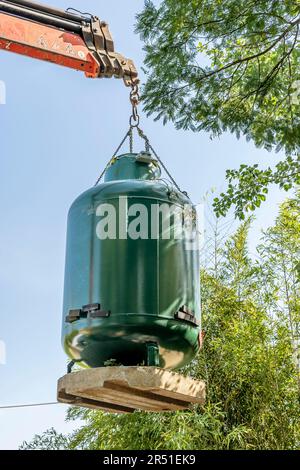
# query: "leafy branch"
{"points": [[248, 186]]}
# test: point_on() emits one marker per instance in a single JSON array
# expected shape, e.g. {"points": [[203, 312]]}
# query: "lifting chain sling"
{"points": [[134, 123]]}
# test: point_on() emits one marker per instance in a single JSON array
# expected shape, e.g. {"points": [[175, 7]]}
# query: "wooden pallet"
{"points": [[125, 389]]}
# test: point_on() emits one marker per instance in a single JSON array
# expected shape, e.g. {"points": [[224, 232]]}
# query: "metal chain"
{"points": [[131, 139], [134, 98], [134, 122], [148, 147], [114, 155], [145, 138]]}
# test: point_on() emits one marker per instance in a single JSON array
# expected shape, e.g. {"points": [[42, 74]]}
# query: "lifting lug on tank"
{"points": [[87, 311], [145, 157]]}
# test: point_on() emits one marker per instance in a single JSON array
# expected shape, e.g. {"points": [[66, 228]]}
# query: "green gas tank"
{"points": [[132, 291]]}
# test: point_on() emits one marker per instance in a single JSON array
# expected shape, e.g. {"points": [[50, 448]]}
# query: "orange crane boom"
{"points": [[78, 41]]}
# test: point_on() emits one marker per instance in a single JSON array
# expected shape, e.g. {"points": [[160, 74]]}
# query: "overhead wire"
{"points": [[28, 405]]}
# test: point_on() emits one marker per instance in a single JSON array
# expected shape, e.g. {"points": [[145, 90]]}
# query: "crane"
{"points": [[69, 38]]}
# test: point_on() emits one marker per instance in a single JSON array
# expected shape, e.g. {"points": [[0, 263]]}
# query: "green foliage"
{"points": [[248, 186], [49, 440], [280, 256], [250, 79], [230, 65], [250, 358], [166, 431]]}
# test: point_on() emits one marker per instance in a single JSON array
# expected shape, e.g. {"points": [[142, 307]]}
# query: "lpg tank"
{"points": [[132, 291]]}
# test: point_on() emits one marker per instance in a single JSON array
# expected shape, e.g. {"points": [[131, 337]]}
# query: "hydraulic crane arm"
{"points": [[73, 40]]}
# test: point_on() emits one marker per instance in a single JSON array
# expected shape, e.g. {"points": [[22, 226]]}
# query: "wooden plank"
{"points": [[147, 397], [125, 389], [180, 396], [93, 404], [111, 398]]}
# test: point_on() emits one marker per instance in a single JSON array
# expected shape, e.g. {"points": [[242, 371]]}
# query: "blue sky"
{"points": [[58, 129]]}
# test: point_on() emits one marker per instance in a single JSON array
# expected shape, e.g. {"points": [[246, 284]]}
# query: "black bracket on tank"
{"points": [[184, 313], [87, 311], [71, 364]]}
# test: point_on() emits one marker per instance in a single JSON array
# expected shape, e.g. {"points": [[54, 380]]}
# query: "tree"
{"points": [[280, 254], [230, 65], [49, 440], [247, 362]]}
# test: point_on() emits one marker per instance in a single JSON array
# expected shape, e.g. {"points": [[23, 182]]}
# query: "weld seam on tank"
{"points": [[137, 196], [136, 315], [100, 190]]}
